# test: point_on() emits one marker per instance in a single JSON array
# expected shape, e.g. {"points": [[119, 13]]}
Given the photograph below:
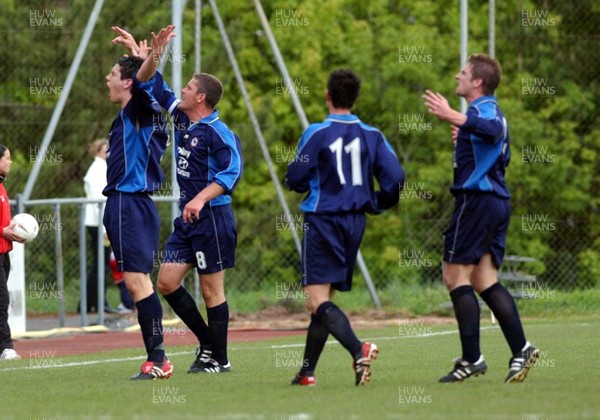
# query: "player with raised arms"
{"points": [[209, 167], [475, 241], [135, 148], [336, 163]]}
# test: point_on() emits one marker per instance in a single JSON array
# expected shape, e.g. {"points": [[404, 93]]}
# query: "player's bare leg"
{"points": [[138, 284], [213, 292], [484, 274], [170, 276], [213, 288], [502, 304], [457, 278], [457, 275]]}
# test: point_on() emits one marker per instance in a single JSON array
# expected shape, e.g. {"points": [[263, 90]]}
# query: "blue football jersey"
{"points": [[482, 150], [136, 145], [336, 163], [207, 150]]}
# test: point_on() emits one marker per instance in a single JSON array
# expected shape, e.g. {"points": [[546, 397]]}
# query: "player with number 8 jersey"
{"points": [[336, 164], [209, 167]]}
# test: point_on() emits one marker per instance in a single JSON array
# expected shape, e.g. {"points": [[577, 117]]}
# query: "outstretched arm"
{"points": [[159, 44]]}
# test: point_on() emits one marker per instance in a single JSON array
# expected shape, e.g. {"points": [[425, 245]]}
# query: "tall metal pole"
{"points": [[59, 263], [83, 303], [177, 7], [464, 37], [281, 63], [492, 29], [302, 116], [197, 70], [62, 100], [259, 135], [198, 37], [100, 269]]}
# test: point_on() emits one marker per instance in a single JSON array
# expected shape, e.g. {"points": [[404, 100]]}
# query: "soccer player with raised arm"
{"points": [[475, 241], [336, 163], [135, 148], [209, 167]]}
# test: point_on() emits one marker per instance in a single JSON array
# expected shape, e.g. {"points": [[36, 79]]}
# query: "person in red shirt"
{"points": [[6, 239]]}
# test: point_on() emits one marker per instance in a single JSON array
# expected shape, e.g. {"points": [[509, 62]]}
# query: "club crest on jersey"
{"points": [[194, 141], [183, 163]]}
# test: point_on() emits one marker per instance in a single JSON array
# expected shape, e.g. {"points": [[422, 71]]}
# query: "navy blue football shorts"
{"points": [[479, 225], [329, 248], [208, 243], [132, 225]]}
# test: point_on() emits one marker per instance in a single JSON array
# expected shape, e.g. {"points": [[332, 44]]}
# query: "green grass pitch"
{"points": [[404, 384]]}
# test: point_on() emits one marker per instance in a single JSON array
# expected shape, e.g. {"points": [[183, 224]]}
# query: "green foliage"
{"points": [[375, 39]]}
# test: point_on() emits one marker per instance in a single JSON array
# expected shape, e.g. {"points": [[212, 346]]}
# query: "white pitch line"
{"points": [[129, 359], [281, 346]]}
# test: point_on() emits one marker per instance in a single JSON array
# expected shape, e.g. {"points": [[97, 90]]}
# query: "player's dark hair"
{"points": [[344, 87], [129, 66], [487, 69], [211, 87]]}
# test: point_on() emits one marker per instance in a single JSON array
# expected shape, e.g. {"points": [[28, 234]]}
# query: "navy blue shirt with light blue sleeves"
{"points": [[482, 150], [336, 162], [136, 145], [207, 150]]}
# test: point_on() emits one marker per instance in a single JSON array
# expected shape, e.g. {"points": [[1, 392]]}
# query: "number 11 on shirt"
{"points": [[352, 148]]}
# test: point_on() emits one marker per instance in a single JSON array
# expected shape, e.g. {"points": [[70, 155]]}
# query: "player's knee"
{"points": [[310, 307], [313, 304], [164, 287], [212, 294], [450, 280]]}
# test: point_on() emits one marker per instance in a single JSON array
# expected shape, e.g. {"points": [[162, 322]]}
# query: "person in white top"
{"points": [[94, 182]]}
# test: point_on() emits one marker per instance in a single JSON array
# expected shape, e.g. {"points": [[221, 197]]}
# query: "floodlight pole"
{"points": [[492, 29], [302, 116], [197, 36], [177, 7], [464, 37], [197, 70]]}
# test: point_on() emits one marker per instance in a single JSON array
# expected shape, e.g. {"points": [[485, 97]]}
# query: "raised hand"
{"points": [[437, 104], [144, 49], [125, 39], [161, 40]]}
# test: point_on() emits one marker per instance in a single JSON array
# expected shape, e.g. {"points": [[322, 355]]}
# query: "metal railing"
{"points": [[57, 204]]}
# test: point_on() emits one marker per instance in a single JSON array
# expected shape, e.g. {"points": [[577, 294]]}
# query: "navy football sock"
{"points": [[502, 304], [218, 321], [184, 306], [315, 341], [467, 312], [338, 325], [150, 318]]}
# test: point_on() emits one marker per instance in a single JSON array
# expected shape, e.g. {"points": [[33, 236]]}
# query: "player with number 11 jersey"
{"points": [[336, 163]]}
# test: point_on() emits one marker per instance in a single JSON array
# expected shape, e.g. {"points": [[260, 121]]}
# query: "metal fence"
{"points": [[58, 260]]}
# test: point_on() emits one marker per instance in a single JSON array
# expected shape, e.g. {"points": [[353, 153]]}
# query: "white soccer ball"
{"points": [[26, 226]]}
